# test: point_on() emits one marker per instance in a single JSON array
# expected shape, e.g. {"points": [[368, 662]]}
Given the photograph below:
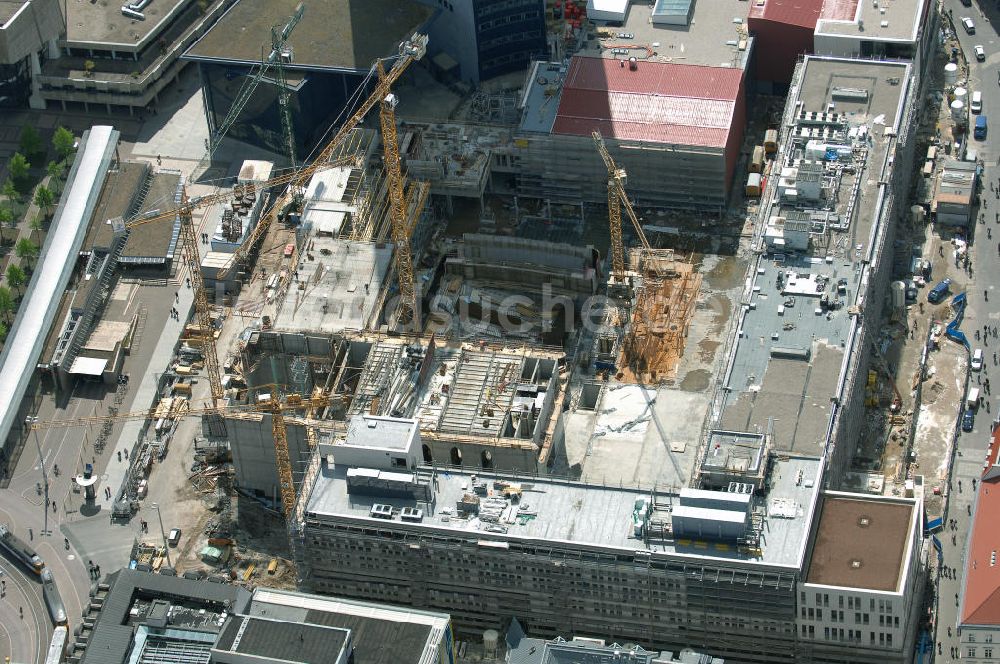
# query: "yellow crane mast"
{"points": [[397, 207], [411, 50], [617, 199]]}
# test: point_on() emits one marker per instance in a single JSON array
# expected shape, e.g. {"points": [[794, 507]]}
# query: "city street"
{"points": [[984, 309]]}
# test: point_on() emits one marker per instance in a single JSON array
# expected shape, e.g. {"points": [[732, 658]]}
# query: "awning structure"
{"points": [[88, 366]]}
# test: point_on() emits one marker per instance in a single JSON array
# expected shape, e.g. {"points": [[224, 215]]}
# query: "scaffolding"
{"points": [[664, 304]]}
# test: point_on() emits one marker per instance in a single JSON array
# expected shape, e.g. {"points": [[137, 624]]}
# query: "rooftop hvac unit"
{"points": [[412, 514], [381, 511]]}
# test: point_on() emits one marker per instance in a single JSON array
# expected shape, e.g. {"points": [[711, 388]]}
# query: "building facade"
{"points": [[28, 34], [488, 38]]}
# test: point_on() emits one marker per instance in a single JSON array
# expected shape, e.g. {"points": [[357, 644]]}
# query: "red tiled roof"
{"points": [[803, 13], [981, 596], [839, 10], [659, 102]]}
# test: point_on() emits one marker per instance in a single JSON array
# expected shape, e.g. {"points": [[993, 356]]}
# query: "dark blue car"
{"points": [[968, 419], [939, 291]]}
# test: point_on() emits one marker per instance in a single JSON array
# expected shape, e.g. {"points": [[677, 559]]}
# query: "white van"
{"points": [[972, 400], [977, 360], [976, 104]]}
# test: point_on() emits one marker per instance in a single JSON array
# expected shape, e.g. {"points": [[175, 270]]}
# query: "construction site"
{"points": [[434, 324]]}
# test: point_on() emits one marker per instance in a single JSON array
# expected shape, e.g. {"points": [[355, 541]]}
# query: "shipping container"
{"points": [[757, 160], [771, 141]]}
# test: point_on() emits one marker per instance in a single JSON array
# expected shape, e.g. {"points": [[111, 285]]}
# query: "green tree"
{"points": [[63, 142], [88, 67], [44, 198], [31, 141], [26, 250], [6, 302], [18, 166], [55, 170], [3, 331], [15, 276], [10, 191], [6, 217], [36, 226]]}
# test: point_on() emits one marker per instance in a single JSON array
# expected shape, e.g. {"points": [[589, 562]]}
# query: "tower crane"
{"points": [[274, 61], [410, 51], [617, 199], [273, 406], [397, 206], [192, 258]]}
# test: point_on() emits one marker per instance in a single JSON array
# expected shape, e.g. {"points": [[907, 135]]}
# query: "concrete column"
{"points": [[63, 105], [35, 101], [108, 106], [131, 110], [86, 107], [53, 49]]}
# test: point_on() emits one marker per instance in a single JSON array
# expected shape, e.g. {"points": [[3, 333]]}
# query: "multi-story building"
{"points": [[138, 616], [28, 34], [787, 29], [672, 114], [118, 58], [327, 57], [979, 607], [812, 307], [863, 580], [487, 38], [712, 570]]}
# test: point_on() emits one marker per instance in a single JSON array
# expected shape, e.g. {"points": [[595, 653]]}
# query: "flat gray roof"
{"points": [[788, 364], [119, 190], [156, 240], [103, 24], [704, 41], [8, 9], [111, 640], [540, 99], [379, 432], [898, 20], [333, 34], [51, 276], [599, 516], [281, 641], [380, 633]]}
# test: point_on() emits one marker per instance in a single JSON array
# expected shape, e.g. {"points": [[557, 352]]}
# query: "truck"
{"points": [[981, 126], [939, 291]]}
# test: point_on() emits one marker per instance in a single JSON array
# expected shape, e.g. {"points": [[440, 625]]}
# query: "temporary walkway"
{"points": [[52, 274]]}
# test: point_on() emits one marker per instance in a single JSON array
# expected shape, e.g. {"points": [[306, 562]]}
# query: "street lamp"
{"points": [[163, 533], [30, 421]]}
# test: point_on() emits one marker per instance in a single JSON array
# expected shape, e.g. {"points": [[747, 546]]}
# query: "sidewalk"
{"points": [[145, 397]]}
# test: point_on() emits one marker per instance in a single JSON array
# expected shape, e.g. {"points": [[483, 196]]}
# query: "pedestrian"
{"points": [[159, 160], [187, 280], [177, 296], [119, 456], [994, 358], [973, 483], [31, 534], [98, 571], [126, 449]]}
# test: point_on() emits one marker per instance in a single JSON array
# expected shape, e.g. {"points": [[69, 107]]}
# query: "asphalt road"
{"points": [[984, 309], [23, 636]]}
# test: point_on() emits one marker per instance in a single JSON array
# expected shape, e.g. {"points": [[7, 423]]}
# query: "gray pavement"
{"points": [[970, 447], [91, 535]]}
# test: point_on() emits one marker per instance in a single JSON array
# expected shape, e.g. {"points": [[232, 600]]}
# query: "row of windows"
{"points": [[501, 21], [496, 6], [852, 635], [987, 652], [884, 606], [971, 638]]}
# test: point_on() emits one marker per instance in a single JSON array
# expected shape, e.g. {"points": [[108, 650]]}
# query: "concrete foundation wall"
{"points": [[252, 445]]}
